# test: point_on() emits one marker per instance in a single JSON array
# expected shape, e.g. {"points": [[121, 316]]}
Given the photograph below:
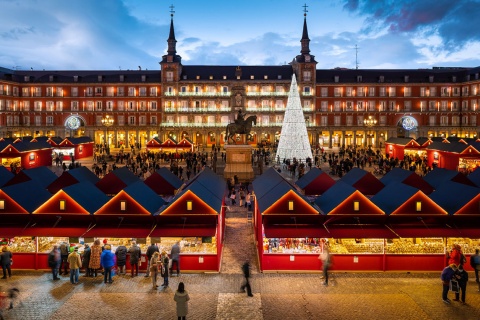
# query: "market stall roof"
{"points": [[65, 180], [80, 198], [185, 143], [73, 141], [70, 177], [37, 194], [169, 143], [5, 175], [135, 199], [475, 177], [54, 141], [274, 195], [42, 175], [359, 231], [423, 141], [343, 199], [117, 232], [117, 180], [400, 199], [163, 182], [184, 231], [437, 176], [407, 177], [205, 193], [453, 147], [315, 182], [457, 198], [154, 142], [363, 181], [400, 141], [432, 231], [83, 174]]}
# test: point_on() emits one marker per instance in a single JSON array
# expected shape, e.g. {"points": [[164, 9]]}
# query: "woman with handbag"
{"points": [[155, 263]]}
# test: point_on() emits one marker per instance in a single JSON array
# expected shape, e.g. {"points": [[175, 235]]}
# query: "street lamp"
{"points": [[107, 122]]}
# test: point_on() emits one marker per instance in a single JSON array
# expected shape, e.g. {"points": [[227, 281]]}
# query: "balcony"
{"points": [[182, 109], [267, 94], [202, 94]]}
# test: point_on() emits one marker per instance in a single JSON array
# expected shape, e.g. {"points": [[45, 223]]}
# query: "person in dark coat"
{"points": [[462, 277], [86, 260], [135, 255], [246, 274], [447, 274], [54, 260], [164, 272], [150, 251], [121, 254], [6, 261]]}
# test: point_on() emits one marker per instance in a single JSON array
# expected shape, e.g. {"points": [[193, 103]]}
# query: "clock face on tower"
{"points": [[72, 123]]}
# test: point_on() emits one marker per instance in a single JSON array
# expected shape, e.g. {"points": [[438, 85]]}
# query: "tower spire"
{"points": [[305, 41], [172, 43]]}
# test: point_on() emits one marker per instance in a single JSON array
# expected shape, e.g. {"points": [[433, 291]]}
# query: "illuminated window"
{"points": [[189, 206], [123, 205], [2, 204], [418, 206], [63, 204], [356, 206], [290, 205]]}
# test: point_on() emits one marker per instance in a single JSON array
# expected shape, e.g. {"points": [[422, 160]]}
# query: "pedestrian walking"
{"points": [[121, 257], [164, 272], [326, 258], [107, 261], [246, 274], [95, 253], [150, 251], [475, 264], [175, 256], [64, 256], [462, 277], [86, 260], [446, 276], [6, 262], [54, 260], [135, 254], [181, 297], [75, 263], [154, 264], [241, 193]]}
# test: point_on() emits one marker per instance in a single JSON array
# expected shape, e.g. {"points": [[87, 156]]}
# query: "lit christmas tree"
{"points": [[294, 137]]}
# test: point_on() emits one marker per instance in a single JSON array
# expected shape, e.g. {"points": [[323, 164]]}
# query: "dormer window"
{"points": [[265, 77], [198, 77], [430, 78], [406, 78], [454, 79], [122, 78], [185, 77], [252, 77], [210, 77], [336, 79], [224, 77], [26, 78], [50, 78], [144, 78], [75, 78], [99, 78], [381, 79], [359, 78], [279, 77]]}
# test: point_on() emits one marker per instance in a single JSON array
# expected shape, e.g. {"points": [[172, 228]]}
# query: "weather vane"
{"points": [[305, 9], [171, 9]]}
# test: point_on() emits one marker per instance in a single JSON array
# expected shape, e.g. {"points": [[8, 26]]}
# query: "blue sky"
{"points": [[125, 34]]}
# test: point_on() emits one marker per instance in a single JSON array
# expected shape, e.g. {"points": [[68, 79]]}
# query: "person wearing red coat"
{"points": [[455, 255]]}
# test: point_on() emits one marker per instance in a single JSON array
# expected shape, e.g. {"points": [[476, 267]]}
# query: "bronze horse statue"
{"points": [[234, 128]]}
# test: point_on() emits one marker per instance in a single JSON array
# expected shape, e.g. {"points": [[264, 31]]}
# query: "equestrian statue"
{"points": [[241, 126]]}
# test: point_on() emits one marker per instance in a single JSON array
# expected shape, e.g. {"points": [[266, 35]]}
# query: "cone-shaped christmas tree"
{"points": [[294, 137]]}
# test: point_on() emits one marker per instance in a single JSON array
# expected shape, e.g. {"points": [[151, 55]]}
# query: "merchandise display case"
{"points": [[19, 244], [45, 244], [292, 245], [468, 245], [189, 245], [356, 246], [415, 246]]}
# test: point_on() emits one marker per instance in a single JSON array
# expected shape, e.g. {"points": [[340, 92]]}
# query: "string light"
{"points": [[294, 141]]}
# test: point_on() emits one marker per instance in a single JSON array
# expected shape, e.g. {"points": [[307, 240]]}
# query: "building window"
{"points": [[153, 120], [49, 121], [131, 91], [336, 79], [109, 106], [131, 120], [59, 106], [307, 75], [98, 106], [189, 205], [290, 206], [74, 91], [123, 205], [74, 106], [50, 106], [142, 91], [153, 105], [120, 91], [153, 91], [356, 206], [324, 92], [121, 105], [169, 76], [337, 120], [418, 206], [63, 205], [431, 120]]}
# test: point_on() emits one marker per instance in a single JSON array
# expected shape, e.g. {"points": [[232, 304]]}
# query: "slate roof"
{"points": [[83, 174], [73, 176], [452, 196], [218, 72], [399, 141], [87, 195], [5, 175], [30, 194], [315, 182], [117, 180], [392, 196], [407, 177], [456, 147], [438, 176], [42, 175], [334, 196], [145, 196], [271, 186], [208, 186], [362, 180], [475, 177], [79, 140], [163, 176], [28, 146]]}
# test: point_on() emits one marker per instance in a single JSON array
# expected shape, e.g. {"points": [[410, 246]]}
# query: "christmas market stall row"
{"points": [[368, 224], [78, 208]]}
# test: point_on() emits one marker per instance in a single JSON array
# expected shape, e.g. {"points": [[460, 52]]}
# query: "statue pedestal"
{"points": [[239, 162]]}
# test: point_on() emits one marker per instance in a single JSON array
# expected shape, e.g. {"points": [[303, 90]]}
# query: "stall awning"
{"points": [[434, 232], [359, 232], [97, 232], [279, 231], [184, 232], [42, 232]]}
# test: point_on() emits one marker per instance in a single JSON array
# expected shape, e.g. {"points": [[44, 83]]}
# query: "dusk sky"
{"points": [[125, 34]]}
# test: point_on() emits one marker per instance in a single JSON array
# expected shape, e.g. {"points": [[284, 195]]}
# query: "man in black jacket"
{"points": [[150, 251], [246, 284]]}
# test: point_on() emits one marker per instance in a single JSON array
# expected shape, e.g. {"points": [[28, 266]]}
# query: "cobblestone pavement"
{"points": [[217, 296]]}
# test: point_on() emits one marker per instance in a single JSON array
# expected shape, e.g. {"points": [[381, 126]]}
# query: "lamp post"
{"points": [[107, 122], [369, 122]]}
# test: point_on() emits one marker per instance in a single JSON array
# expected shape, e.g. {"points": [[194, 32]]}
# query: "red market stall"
{"points": [[185, 145], [454, 155], [25, 155], [315, 182], [395, 147], [195, 218], [154, 145]]}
